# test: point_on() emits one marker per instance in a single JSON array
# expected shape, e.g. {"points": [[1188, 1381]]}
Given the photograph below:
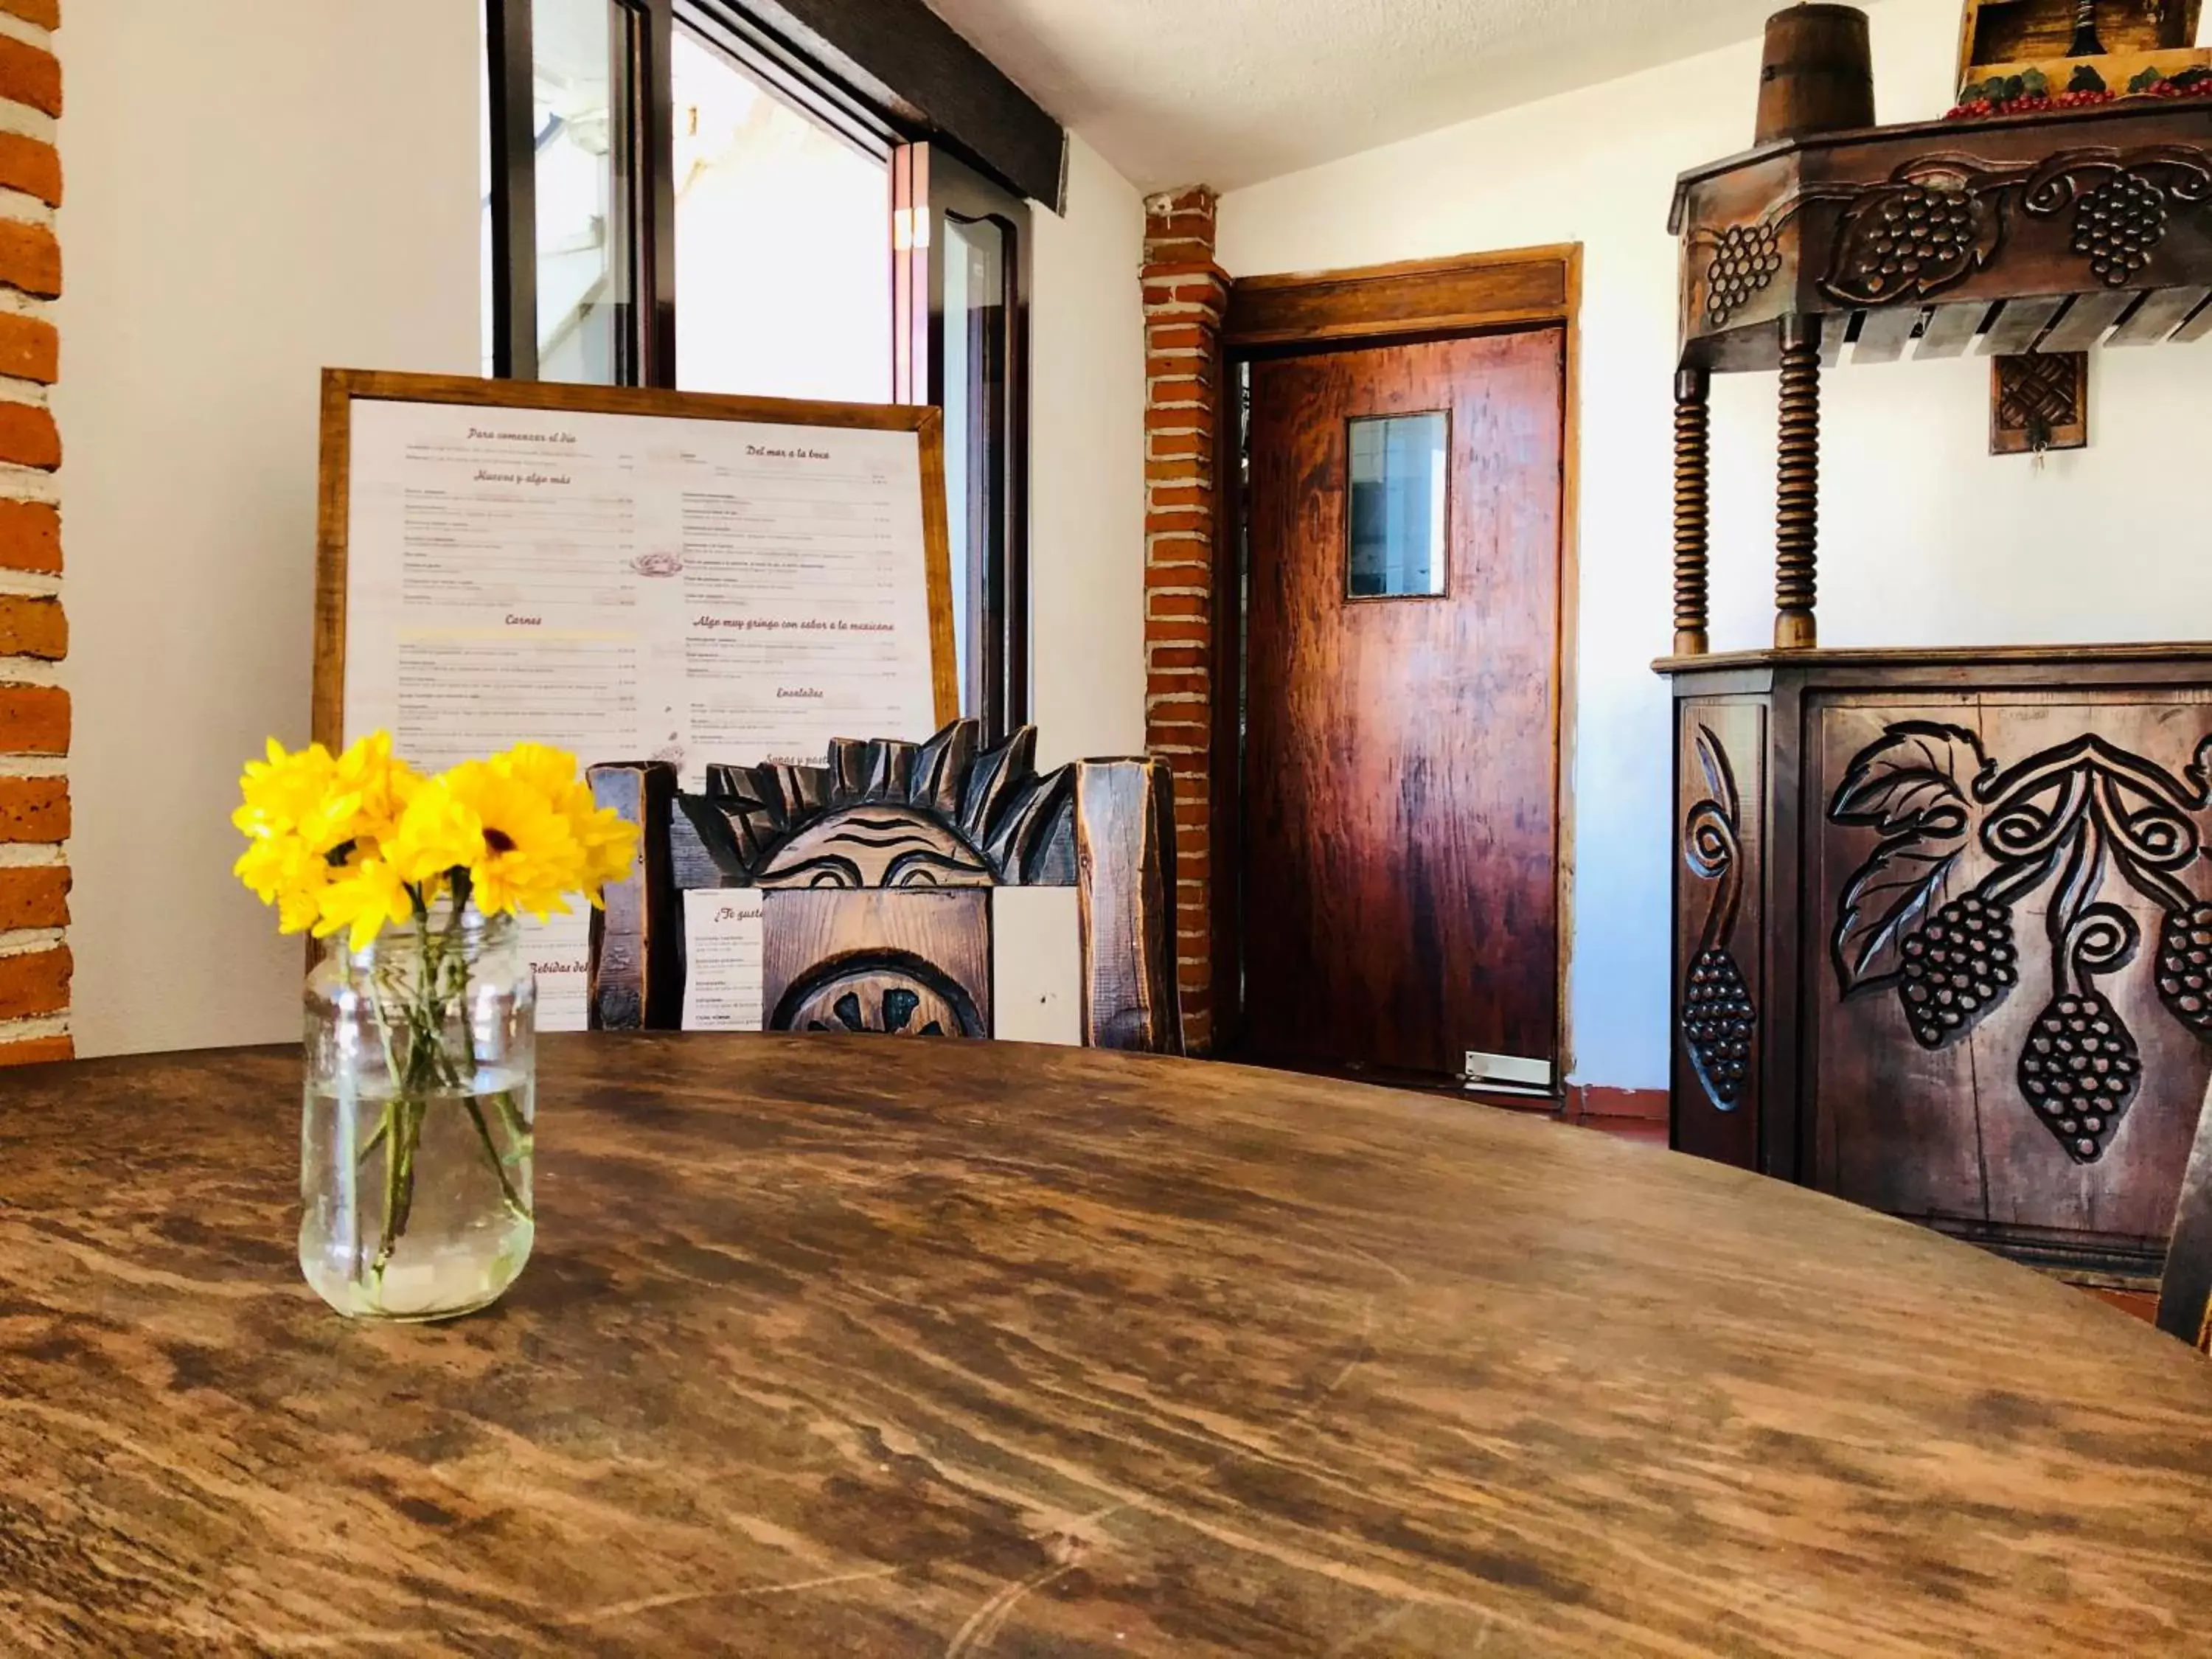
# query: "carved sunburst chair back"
{"points": [[879, 877]]}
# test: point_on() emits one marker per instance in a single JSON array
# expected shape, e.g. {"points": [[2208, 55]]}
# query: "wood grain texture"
{"points": [[2184, 1294], [1856, 226], [1720, 879], [635, 973], [1958, 844], [1124, 858], [1414, 297], [1400, 834], [1692, 509], [888, 815], [342, 386], [1948, 1131], [981, 1348], [898, 960], [1797, 487]]}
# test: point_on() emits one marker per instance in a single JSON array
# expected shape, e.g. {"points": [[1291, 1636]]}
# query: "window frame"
{"points": [[930, 186]]}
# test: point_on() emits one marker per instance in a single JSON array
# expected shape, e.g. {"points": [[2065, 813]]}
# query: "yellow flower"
{"points": [[351, 843], [608, 840], [361, 899], [285, 871], [436, 835], [526, 855], [380, 786], [295, 795]]}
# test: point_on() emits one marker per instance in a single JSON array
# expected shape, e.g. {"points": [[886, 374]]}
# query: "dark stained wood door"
{"points": [[1400, 826]]}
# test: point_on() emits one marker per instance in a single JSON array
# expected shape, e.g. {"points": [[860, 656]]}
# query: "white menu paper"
{"points": [[723, 944], [629, 586]]}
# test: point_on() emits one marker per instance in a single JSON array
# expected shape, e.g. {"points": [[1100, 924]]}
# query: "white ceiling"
{"points": [[1230, 92]]}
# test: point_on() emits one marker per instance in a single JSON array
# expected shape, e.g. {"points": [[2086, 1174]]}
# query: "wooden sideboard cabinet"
{"points": [[1943, 934]]}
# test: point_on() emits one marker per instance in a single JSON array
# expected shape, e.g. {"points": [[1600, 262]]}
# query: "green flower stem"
{"points": [[498, 1164], [412, 1021], [511, 1116]]}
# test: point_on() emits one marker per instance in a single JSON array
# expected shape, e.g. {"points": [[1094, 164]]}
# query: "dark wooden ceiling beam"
{"points": [[906, 59]]}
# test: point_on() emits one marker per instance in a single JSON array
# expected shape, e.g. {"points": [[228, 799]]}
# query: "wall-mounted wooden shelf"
{"points": [[2051, 232]]}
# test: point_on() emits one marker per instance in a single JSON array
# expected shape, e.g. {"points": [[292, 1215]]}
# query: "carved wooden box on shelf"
{"points": [[1992, 1012], [879, 874]]}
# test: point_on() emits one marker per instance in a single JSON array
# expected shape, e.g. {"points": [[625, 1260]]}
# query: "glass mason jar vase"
{"points": [[415, 1139]]}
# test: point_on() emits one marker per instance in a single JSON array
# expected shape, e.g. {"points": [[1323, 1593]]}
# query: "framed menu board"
{"points": [[626, 574]]}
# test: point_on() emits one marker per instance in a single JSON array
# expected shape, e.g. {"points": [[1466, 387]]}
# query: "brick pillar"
{"points": [[34, 711], [1185, 295]]}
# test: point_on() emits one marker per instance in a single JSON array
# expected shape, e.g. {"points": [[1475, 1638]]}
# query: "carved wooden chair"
{"points": [[2185, 1298], [881, 880]]}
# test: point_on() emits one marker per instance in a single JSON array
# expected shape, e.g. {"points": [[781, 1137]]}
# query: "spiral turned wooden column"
{"points": [[1693, 517], [1797, 516]]}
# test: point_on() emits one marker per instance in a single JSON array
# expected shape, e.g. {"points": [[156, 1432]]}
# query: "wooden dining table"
{"points": [[887, 1346]]}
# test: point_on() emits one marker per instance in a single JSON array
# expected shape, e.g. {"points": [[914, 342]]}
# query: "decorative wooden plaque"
{"points": [[2038, 401]]}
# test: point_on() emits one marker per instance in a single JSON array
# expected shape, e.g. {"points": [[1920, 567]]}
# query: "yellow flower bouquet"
{"points": [[421, 1070]]}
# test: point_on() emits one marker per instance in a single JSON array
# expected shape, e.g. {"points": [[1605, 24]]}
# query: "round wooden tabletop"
{"points": [[863, 1346]]}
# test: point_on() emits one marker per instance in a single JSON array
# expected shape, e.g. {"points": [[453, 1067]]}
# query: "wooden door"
{"points": [[1400, 830]]}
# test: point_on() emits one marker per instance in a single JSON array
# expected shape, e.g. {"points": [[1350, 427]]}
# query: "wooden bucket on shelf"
{"points": [[1817, 75]]}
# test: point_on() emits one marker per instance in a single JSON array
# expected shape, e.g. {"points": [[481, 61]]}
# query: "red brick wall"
{"points": [[34, 711], [1185, 293]]}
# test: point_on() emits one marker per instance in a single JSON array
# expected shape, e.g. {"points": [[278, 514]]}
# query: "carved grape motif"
{"points": [[1744, 263], [1920, 236], [2184, 967], [2079, 1071], [2119, 225], [1956, 967], [2047, 838], [1717, 1021]]}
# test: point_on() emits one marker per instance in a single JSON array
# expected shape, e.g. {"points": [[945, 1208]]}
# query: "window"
{"points": [[824, 244], [1399, 476], [781, 259]]}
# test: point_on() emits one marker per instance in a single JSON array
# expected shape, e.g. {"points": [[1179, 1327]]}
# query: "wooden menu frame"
{"points": [[343, 387]]}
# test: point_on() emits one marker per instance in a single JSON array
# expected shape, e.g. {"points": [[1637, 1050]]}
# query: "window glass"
{"points": [[583, 239], [1400, 472], [782, 260]]}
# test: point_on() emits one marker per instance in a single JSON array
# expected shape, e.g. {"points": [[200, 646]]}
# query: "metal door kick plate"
{"points": [[1507, 1073]]}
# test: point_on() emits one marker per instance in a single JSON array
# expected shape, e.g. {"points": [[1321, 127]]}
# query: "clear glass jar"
{"points": [[416, 1140]]}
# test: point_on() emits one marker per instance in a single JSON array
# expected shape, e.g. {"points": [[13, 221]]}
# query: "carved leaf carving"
{"points": [[1886, 900], [1920, 777], [1917, 787], [1720, 781]]}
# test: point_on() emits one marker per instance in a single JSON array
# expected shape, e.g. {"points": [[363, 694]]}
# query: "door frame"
{"points": [[1397, 304]]}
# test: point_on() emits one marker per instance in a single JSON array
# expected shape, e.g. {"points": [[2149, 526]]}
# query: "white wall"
{"points": [[254, 190], [1925, 538], [1087, 469]]}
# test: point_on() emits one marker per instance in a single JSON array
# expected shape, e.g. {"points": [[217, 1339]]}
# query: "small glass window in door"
{"points": [[1400, 466]]}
